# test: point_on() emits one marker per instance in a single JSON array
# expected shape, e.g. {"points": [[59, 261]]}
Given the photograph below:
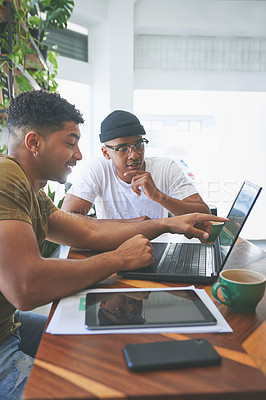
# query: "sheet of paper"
{"points": [[69, 316], [63, 251], [175, 238]]}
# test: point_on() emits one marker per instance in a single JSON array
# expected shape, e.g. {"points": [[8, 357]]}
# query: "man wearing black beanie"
{"points": [[124, 184]]}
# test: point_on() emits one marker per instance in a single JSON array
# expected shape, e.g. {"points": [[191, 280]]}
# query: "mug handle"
{"points": [[215, 293]]}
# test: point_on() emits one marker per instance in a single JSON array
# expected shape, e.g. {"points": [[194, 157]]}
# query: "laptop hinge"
{"points": [[209, 260], [218, 257], [163, 256]]}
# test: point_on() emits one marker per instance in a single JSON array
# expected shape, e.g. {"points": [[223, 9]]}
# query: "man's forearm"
{"points": [[180, 207], [100, 238], [82, 232], [62, 277], [103, 220], [65, 228], [29, 280], [127, 220]]}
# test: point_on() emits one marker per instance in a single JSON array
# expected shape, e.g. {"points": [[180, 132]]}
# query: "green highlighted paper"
{"points": [[82, 304]]}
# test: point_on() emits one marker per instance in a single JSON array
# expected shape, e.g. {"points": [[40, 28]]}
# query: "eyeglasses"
{"points": [[125, 150]]}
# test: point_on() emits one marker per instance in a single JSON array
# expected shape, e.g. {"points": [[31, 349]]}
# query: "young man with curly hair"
{"points": [[43, 145]]}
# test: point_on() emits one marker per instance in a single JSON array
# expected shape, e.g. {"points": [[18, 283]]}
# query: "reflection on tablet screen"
{"points": [[113, 310]]}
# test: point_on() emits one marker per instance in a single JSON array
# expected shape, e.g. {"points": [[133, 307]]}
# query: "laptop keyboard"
{"points": [[185, 258]]}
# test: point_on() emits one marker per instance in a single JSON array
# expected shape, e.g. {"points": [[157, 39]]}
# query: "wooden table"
{"points": [[93, 367]]}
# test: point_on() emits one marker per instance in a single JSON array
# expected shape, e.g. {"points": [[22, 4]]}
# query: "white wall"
{"points": [[173, 80], [221, 156], [201, 17], [112, 42], [113, 77]]}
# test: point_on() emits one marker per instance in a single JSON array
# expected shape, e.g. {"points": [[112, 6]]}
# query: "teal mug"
{"points": [[242, 289], [215, 230]]}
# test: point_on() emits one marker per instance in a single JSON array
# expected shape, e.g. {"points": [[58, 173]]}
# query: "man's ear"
{"points": [[105, 153], [32, 142]]}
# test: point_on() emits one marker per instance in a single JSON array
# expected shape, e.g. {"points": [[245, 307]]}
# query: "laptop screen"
{"points": [[237, 217]]}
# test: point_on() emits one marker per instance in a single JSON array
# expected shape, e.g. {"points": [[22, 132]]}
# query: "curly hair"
{"points": [[40, 111]]}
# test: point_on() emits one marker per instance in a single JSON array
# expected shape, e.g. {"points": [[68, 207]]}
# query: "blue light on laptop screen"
{"points": [[237, 216]]}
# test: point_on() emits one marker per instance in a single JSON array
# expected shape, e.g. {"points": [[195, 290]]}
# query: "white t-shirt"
{"points": [[115, 199]]}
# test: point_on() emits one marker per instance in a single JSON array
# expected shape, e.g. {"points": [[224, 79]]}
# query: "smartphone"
{"points": [[170, 354]]}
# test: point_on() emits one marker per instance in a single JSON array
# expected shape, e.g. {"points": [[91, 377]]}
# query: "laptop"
{"points": [[199, 262]]}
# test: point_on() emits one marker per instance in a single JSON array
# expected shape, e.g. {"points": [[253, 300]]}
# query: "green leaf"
{"points": [[25, 5], [34, 65], [59, 205], [49, 248], [23, 83], [33, 20], [52, 57], [3, 149], [27, 49], [51, 194], [16, 48], [20, 13], [14, 58], [6, 104]]}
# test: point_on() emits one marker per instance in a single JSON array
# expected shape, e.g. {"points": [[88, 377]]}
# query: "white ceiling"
{"points": [[184, 17]]}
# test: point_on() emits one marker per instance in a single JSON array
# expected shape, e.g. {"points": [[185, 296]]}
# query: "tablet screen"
{"points": [[152, 309]]}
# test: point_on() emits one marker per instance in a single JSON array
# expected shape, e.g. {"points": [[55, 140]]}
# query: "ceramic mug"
{"points": [[242, 289]]}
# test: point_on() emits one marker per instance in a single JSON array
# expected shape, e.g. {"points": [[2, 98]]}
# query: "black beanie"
{"points": [[120, 124]]}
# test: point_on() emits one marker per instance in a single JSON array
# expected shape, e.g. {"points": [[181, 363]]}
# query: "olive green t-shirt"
{"points": [[18, 201]]}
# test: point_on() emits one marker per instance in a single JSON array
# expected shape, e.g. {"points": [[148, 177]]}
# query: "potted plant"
{"points": [[22, 60], [49, 14], [25, 59], [17, 59], [50, 247]]}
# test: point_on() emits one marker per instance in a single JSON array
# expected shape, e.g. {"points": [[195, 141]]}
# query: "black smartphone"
{"points": [[170, 354]]}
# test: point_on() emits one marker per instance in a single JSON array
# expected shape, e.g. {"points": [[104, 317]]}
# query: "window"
{"points": [[220, 136], [70, 44], [78, 94]]}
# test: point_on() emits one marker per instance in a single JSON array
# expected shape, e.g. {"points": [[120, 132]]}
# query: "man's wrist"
{"points": [[162, 225], [114, 261], [159, 197]]}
